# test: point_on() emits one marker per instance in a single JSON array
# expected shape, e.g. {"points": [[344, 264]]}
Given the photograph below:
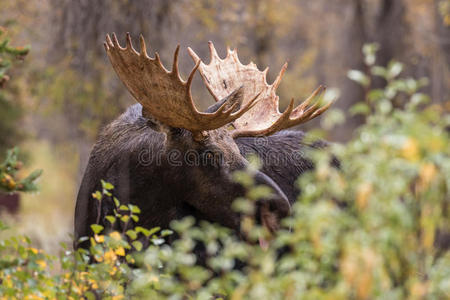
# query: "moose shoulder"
{"points": [[171, 160]]}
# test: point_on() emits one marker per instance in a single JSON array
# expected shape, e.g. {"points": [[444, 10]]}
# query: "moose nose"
{"points": [[277, 203]]}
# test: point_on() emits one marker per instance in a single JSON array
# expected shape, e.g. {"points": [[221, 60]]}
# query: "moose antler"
{"points": [[221, 76], [163, 94]]}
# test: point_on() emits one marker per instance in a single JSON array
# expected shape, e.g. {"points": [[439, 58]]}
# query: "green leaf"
{"points": [[89, 295], [33, 176], [106, 185], [360, 108], [96, 228], [359, 77], [166, 232], [124, 207], [243, 205], [116, 202], [129, 258], [145, 231], [137, 245], [379, 71], [111, 219], [369, 51], [419, 98], [259, 192], [134, 209], [394, 69], [97, 195], [334, 118], [375, 95], [142, 230], [132, 234]]}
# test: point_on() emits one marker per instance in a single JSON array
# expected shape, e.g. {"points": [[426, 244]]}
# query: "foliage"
{"points": [[9, 169], [372, 228], [11, 165], [9, 112], [9, 181], [7, 54], [444, 10]]}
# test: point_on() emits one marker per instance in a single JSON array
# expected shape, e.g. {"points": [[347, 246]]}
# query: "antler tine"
{"points": [[194, 55], [164, 95], [143, 46], [248, 106], [277, 80], [313, 96], [116, 42], [175, 62], [129, 46], [276, 126], [129, 43], [108, 41], [233, 97], [158, 60], [264, 118], [229, 111], [192, 74], [321, 110], [213, 51]]}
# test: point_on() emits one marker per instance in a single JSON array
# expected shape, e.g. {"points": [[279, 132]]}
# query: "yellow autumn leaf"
{"points": [[426, 175], [41, 263], [34, 250], [427, 222], [110, 256], [99, 238], [436, 144], [120, 251], [115, 235], [410, 150], [363, 193], [419, 290], [113, 271], [354, 260]]}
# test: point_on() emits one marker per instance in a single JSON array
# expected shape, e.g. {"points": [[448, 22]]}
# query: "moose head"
{"points": [[246, 107]]}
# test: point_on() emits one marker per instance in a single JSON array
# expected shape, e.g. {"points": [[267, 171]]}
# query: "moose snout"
{"points": [[274, 207]]}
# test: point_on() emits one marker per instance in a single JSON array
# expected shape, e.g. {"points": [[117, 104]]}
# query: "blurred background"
{"points": [[64, 91]]}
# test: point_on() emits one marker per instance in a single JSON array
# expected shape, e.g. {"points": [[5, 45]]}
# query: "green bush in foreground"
{"points": [[371, 229]]}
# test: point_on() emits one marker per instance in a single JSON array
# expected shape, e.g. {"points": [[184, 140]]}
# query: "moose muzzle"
{"points": [[271, 209]]}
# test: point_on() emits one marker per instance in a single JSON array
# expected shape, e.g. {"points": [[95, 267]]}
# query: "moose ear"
{"points": [[236, 96]]}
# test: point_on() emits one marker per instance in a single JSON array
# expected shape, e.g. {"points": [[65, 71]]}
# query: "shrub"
{"points": [[9, 179], [10, 110]]}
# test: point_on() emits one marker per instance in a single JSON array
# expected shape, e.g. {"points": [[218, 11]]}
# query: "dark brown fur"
{"points": [[137, 155]]}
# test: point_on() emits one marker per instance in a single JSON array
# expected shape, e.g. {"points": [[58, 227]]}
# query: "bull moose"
{"points": [[172, 160]]}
